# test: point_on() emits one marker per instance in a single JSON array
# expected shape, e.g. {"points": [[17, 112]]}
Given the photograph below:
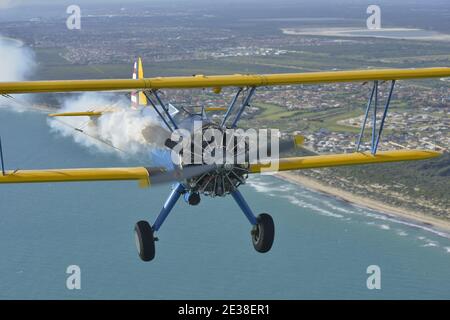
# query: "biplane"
{"points": [[191, 181]]}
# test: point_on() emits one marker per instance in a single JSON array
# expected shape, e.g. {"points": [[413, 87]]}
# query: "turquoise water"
{"points": [[322, 247]]}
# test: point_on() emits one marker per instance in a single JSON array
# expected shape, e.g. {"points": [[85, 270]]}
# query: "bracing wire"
{"points": [[91, 136]]}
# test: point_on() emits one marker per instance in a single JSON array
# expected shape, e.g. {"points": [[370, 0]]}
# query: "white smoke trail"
{"points": [[16, 64], [120, 128], [17, 61]]}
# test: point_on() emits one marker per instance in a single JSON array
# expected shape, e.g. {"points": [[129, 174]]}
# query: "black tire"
{"points": [[145, 241], [263, 233]]}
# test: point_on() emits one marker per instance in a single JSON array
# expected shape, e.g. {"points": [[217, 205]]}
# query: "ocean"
{"points": [[322, 249]]}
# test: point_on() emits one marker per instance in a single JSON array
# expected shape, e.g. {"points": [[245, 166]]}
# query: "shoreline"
{"points": [[383, 33], [389, 210]]}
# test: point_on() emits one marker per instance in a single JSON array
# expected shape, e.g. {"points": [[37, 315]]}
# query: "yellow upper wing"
{"points": [[236, 80]]}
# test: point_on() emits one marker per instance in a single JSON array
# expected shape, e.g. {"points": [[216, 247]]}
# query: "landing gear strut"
{"points": [[145, 238]]}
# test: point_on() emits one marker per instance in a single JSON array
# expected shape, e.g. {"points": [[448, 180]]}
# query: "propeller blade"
{"points": [[161, 175]]}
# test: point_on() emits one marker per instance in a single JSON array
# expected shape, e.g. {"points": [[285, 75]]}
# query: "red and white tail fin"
{"points": [[138, 98]]}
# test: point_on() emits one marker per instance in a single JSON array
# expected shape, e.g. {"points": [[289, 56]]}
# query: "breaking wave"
{"points": [[328, 206]]}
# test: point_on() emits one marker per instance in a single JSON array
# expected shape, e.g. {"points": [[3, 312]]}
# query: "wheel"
{"points": [[145, 241], [263, 233], [192, 198]]}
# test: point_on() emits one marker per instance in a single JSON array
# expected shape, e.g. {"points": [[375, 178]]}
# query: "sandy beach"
{"points": [[365, 202]]}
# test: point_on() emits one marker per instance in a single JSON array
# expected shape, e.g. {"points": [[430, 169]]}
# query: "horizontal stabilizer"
{"points": [[216, 109], [77, 114]]}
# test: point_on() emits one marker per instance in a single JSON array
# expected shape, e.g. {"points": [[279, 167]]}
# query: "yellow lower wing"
{"points": [[345, 159], [145, 175], [139, 174]]}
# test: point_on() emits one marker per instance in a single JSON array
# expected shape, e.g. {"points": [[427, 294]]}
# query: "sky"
{"points": [[393, 10], [10, 3]]}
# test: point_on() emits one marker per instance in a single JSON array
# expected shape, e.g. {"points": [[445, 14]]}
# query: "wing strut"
{"points": [[375, 136], [1, 157], [230, 107], [163, 106], [157, 111], [386, 107], [245, 103]]}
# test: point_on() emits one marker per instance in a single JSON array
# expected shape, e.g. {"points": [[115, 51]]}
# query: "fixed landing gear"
{"points": [[145, 240], [263, 233]]}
